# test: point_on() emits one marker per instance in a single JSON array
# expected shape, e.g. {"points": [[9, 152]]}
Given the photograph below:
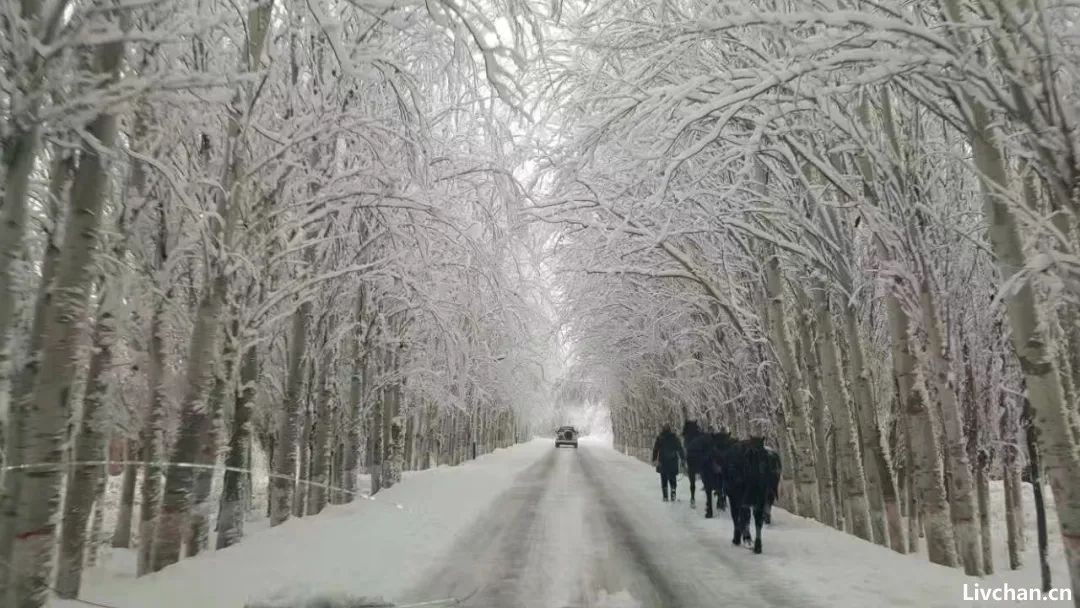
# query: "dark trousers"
{"points": [[668, 474]]}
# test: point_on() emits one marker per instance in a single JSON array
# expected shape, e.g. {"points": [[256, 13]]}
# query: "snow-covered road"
{"points": [[587, 528], [570, 534]]}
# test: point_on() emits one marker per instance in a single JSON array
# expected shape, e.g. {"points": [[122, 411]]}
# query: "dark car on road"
{"points": [[566, 435]]}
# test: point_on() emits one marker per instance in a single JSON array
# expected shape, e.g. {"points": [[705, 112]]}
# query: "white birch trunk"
{"points": [[889, 528], [320, 450], [982, 482], [847, 448], [97, 522], [807, 497], [962, 496], [196, 534], [21, 149], [121, 537], [19, 391], [151, 438], [284, 469], [83, 480], [375, 443], [230, 522], [1012, 533], [869, 432], [820, 421], [913, 504], [195, 422], [354, 419], [303, 456], [63, 167], [397, 450], [940, 543], [1018, 496]]}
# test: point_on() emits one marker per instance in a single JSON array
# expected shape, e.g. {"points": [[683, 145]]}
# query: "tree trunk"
{"points": [[18, 161], [391, 469], [962, 495], [1018, 494], [82, 480], [1013, 521], [20, 152], [880, 488], [320, 445], [410, 437], [843, 520], [97, 522], [433, 437], [122, 534], [230, 522], [847, 448], [151, 438], [270, 449], [940, 544], [820, 420], [375, 441], [1032, 437], [421, 448], [354, 416], [979, 457], [914, 506], [284, 469], [982, 482], [807, 497], [787, 476], [303, 465], [197, 534], [59, 176], [196, 429], [397, 448], [46, 421]]}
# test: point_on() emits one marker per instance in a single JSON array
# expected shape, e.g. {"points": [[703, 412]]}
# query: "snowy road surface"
{"points": [[568, 534]]}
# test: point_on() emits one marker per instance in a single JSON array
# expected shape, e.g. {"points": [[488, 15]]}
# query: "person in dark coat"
{"points": [[666, 453]]}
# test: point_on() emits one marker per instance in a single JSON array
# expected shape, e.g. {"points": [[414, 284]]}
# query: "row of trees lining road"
{"points": [[287, 230], [846, 225]]}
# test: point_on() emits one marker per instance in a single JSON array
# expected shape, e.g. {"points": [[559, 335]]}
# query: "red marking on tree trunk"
{"points": [[47, 530]]}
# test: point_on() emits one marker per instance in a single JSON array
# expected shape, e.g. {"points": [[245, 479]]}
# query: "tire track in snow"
{"points": [[489, 563], [649, 587]]}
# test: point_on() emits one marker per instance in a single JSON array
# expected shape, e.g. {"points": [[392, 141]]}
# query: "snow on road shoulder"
{"points": [[808, 560], [368, 548]]}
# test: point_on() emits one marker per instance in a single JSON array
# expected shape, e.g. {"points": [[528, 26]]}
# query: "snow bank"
{"points": [[368, 549], [1027, 576]]}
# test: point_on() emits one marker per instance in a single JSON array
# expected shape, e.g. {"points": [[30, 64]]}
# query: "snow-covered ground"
{"points": [[530, 526], [1028, 574]]}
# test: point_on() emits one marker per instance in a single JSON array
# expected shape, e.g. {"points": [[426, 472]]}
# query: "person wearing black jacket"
{"points": [[666, 453]]}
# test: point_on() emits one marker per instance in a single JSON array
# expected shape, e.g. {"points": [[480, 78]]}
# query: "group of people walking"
{"points": [[744, 473]]}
